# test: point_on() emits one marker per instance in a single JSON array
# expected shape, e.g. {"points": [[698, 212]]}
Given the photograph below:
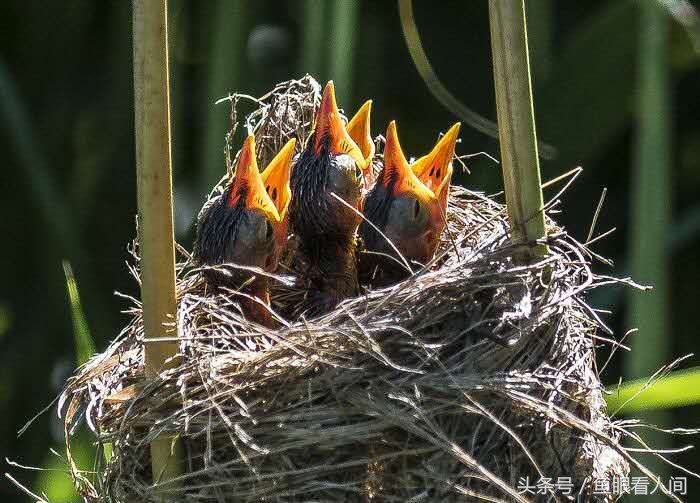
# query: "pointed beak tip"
{"points": [[453, 133], [329, 90], [247, 155], [289, 146]]}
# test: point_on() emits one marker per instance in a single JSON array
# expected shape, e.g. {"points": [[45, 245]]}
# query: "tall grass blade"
{"points": [[678, 389], [516, 125], [155, 203], [651, 202], [344, 28], [314, 39], [82, 339], [651, 210], [225, 76]]}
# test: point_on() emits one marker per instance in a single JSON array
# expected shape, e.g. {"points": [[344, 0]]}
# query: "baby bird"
{"points": [[330, 165], [407, 204], [247, 225]]}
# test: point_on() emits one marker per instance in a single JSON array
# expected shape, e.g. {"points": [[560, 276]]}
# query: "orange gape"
{"points": [[435, 170], [275, 178], [359, 130], [407, 205]]}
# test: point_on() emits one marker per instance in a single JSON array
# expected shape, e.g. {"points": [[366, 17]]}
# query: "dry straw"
{"points": [[449, 386]]}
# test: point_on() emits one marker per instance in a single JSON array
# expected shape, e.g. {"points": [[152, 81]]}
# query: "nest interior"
{"points": [[453, 385]]}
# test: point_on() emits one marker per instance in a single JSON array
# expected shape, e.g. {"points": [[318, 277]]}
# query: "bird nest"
{"points": [[462, 382]]}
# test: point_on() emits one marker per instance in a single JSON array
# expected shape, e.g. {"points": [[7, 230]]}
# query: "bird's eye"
{"points": [[268, 230], [416, 209]]}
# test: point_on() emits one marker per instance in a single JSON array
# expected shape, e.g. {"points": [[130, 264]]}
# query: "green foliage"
{"points": [[343, 34], [66, 130], [678, 389], [651, 214], [83, 341], [226, 74], [54, 481], [314, 32]]}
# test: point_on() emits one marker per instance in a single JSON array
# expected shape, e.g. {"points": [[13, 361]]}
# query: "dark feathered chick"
{"points": [[247, 225], [331, 163], [407, 204]]}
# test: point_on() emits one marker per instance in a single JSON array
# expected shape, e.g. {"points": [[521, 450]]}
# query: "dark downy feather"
{"points": [[325, 230], [217, 231], [378, 270]]}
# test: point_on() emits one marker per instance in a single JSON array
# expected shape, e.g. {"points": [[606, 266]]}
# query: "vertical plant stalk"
{"points": [[516, 125], [342, 47], [651, 208], [154, 187]]}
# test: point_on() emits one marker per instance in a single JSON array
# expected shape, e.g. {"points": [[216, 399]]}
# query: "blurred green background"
{"points": [[617, 91]]}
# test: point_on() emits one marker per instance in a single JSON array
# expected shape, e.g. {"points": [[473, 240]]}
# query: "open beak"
{"points": [[359, 130], [436, 167], [397, 176], [248, 184], [330, 130], [275, 178]]}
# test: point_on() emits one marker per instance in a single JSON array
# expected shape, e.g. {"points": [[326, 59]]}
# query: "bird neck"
{"points": [[257, 291], [331, 270], [377, 271]]}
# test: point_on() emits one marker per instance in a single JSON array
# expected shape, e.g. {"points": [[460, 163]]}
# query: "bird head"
{"points": [[406, 210], [245, 225], [330, 163], [331, 140]]}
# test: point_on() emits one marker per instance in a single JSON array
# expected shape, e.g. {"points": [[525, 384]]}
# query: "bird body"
{"points": [[246, 226], [320, 198], [405, 210], [330, 167]]}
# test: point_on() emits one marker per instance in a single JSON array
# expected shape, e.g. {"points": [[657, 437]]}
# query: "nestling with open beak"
{"points": [[407, 204], [247, 226], [330, 165]]}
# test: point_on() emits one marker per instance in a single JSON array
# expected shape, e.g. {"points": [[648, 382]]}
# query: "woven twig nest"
{"points": [[455, 384]]}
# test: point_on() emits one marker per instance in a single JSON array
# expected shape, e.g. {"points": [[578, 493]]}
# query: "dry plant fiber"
{"points": [[453, 385]]}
